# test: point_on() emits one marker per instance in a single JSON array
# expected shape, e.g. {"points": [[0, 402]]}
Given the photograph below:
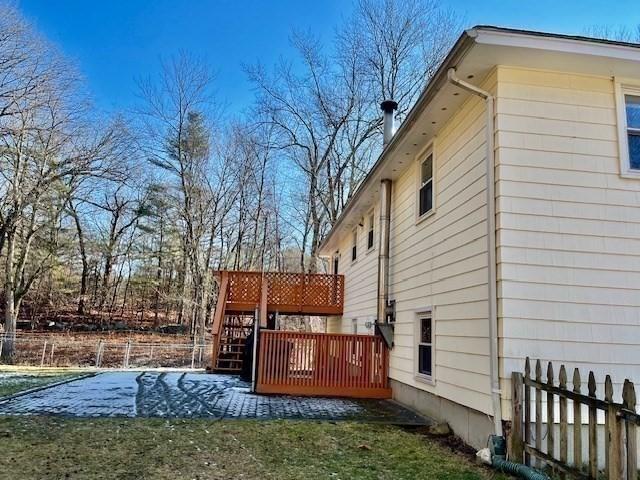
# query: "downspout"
{"points": [[383, 325], [491, 240]]}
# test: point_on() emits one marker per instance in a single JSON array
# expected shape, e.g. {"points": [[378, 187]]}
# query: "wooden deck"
{"points": [[288, 293], [243, 294], [321, 364]]}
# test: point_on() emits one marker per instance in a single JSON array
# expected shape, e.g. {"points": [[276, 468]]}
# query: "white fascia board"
{"points": [[555, 44]]}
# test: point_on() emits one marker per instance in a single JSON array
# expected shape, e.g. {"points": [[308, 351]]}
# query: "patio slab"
{"points": [[193, 395]]}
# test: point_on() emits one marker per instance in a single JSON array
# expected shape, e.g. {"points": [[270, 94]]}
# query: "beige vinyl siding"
{"points": [[360, 281], [441, 263], [568, 228]]}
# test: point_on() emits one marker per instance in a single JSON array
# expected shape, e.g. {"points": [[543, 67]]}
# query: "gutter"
{"points": [[491, 240]]}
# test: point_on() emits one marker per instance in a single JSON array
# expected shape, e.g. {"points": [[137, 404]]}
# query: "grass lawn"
{"points": [[14, 381], [43, 448]]}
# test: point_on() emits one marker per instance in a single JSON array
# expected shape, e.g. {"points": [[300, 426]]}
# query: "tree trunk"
{"points": [[85, 264], [10, 312]]}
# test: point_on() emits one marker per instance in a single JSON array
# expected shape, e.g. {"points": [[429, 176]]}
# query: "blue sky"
{"points": [[116, 41]]}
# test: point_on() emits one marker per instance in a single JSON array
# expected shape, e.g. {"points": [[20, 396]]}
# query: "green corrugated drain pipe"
{"points": [[497, 450]]}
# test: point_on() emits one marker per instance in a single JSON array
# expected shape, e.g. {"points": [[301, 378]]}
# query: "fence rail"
{"points": [[580, 410], [52, 351], [298, 363]]}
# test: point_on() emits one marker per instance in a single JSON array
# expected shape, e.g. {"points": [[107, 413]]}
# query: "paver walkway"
{"points": [[192, 395]]}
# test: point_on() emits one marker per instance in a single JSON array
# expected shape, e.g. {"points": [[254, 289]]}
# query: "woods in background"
{"points": [[125, 217]]}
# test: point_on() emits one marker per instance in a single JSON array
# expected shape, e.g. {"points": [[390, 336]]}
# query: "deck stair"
{"points": [[247, 297], [231, 343]]}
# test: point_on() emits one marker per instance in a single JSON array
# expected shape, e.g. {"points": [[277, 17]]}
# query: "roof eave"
{"points": [[457, 52]]}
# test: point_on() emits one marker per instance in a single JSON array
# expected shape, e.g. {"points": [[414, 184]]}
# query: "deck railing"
{"points": [[320, 364], [286, 292]]}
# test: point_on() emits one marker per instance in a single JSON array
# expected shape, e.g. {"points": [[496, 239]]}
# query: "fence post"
{"points": [[564, 440], [629, 403], [593, 425], [613, 433], [53, 347], [517, 445], [538, 410], [527, 410], [193, 354], [44, 352], [98, 351], [1, 345], [126, 354], [577, 423], [550, 412]]}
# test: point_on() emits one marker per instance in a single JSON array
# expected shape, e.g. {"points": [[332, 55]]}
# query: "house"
{"points": [[502, 220]]}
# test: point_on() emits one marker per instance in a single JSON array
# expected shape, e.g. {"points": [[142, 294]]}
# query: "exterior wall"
{"points": [[441, 263], [438, 263], [470, 425], [568, 228], [361, 281]]}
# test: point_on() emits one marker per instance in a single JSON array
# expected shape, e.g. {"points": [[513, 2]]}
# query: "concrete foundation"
{"points": [[470, 425]]}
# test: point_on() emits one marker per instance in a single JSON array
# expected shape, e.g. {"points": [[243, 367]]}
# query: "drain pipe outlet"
{"points": [[491, 241]]}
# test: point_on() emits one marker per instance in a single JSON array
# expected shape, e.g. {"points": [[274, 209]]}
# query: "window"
{"points": [[425, 193], [354, 246], [628, 108], [370, 232], [336, 263], [425, 345], [632, 116]]}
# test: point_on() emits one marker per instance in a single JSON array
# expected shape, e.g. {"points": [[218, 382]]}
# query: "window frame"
{"points": [[371, 231], [354, 245], [421, 315], [625, 87], [422, 157]]}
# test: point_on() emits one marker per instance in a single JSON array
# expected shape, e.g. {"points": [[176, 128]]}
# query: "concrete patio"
{"points": [[192, 395]]}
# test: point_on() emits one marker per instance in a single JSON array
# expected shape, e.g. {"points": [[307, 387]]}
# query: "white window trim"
{"points": [[371, 217], [421, 377], [420, 158], [622, 87]]}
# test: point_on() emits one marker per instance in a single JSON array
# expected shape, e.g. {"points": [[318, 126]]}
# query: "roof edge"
{"points": [[456, 53], [463, 44]]}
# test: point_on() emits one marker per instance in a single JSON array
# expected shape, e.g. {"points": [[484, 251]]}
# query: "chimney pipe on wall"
{"points": [[388, 107]]}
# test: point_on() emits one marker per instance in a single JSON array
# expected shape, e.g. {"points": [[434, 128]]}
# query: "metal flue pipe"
{"points": [[388, 107], [383, 250]]}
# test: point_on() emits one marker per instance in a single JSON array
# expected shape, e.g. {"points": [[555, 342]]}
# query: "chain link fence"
{"points": [[63, 351]]}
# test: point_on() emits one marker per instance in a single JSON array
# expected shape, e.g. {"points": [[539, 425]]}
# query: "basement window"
{"points": [[425, 345], [628, 109], [425, 191], [370, 233]]}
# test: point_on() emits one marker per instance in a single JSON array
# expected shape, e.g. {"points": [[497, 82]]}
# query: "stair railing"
{"points": [[219, 316]]}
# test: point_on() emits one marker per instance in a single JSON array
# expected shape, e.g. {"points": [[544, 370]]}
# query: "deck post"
{"points": [[263, 303], [254, 356]]}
